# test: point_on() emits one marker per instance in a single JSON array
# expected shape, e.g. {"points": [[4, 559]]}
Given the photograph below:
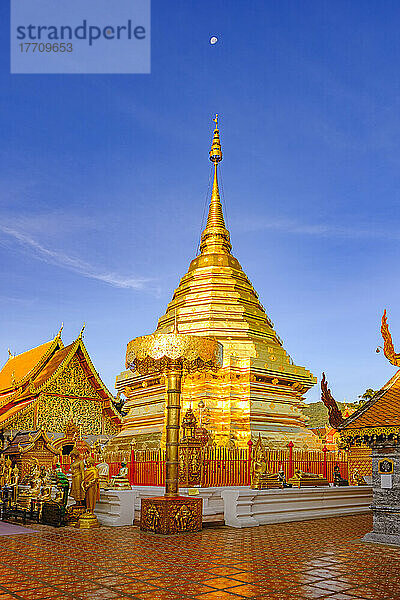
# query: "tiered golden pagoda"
{"points": [[259, 389]]}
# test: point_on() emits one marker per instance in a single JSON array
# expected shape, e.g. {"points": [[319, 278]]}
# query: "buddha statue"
{"points": [[14, 482], [358, 478], [77, 472], [2, 470], [104, 475], [91, 488], [121, 481], [8, 472]]}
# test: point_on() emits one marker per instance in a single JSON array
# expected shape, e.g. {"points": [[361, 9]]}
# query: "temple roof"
{"points": [[22, 366], [382, 410], [24, 441], [26, 375]]}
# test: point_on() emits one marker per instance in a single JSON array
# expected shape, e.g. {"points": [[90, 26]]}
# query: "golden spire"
{"points": [[215, 237]]}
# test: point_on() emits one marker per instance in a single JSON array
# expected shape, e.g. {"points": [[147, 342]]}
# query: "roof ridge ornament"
{"points": [[60, 330], [80, 336], [388, 347]]}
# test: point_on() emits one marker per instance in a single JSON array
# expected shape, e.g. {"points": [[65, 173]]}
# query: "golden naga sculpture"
{"points": [[388, 348], [334, 413]]}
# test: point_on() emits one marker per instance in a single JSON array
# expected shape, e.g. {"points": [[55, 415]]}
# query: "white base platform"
{"points": [[115, 507], [242, 506]]}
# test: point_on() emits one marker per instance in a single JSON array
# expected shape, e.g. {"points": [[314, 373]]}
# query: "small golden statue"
{"points": [[358, 478], [104, 475], [77, 472], [14, 482], [303, 479], [2, 470], [8, 472], [121, 481], [261, 479], [90, 486]]}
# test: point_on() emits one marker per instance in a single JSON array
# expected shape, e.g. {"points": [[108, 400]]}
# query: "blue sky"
{"points": [[104, 180]]}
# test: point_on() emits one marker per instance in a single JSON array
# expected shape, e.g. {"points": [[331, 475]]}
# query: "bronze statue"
{"points": [[337, 478]]}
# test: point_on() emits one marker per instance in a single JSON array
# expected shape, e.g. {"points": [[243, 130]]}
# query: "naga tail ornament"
{"points": [[334, 412], [388, 348]]}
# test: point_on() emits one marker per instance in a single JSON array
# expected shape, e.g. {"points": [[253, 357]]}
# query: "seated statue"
{"points": [[104, 475], [358, 478], [260, 478], [282, 479], [303, 479], [121, 481], [337, 478]]}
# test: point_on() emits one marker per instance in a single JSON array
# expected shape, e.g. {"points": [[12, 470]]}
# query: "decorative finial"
{"points": [[216, 152], [215, 237], [60, 330], [10, 354], [82, 330]]}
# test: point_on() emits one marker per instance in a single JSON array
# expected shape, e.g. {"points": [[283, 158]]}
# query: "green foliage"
{"points": [[318, 412]]}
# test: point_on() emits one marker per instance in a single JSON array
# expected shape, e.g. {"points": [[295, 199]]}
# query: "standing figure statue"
{"points": [[2, 470], [91, 488], [77, 472], [8, 472], [14, 482]]}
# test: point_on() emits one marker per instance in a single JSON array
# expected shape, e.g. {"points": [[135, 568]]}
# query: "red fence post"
{"points": [[250, 444], [132, 467], [290, 465], [325, 450]]}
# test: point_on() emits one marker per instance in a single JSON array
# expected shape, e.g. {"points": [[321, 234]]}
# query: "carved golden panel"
{"points": [[73, 381], [23, 421], [54, 412], [110, 428]]}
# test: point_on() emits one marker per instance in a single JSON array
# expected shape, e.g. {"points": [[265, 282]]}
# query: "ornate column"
{"points": [[172, 355]]}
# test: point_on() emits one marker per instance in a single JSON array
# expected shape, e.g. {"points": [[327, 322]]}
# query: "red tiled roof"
{"points": [[383, 410]]}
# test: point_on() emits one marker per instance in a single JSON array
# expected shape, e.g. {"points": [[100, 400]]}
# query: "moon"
{"points": [[213, 40]]}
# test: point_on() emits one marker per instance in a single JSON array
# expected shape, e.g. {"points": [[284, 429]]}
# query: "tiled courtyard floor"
{"points": [[311, 559]]}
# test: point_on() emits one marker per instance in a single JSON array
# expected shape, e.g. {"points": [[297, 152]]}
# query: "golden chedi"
{"points": [[258, 390]]}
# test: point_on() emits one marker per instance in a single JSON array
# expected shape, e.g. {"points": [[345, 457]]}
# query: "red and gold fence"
{"points": [[232, 467]]}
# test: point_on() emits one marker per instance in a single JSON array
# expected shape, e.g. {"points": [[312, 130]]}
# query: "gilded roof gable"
{"points": [[22, 367]]}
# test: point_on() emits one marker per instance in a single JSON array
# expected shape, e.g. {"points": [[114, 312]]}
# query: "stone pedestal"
{"points": [[386, 494], [171, 514], [115, 508]]}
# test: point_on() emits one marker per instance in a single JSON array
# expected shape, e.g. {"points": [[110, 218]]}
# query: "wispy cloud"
{"points": [[292, 226], [72, 263]]}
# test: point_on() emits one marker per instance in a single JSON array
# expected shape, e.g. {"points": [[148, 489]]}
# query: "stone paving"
{"points": [[319, 559]]}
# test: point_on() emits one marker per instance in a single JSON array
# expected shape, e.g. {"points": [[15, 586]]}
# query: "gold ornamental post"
{"points": [[172, 355]]}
